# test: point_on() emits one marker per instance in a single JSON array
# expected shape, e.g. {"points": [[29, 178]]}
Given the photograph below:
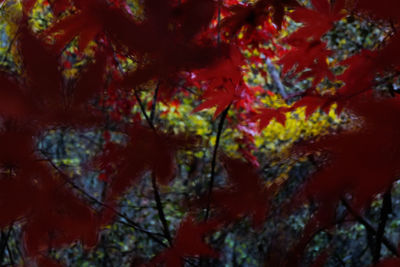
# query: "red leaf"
{"points": [[385, 9], [146, 151], [59, 6], [394, 262], [313, 101], [360, 163], [189, 242], [86, 24], [223, 82], [308, 55], [42, 68], [360, 74], [91, 81], [47, 262], [245, 195], [52, 215], [18, 192], [167, 50], [249, 16], [219, 98], [226, 72], [58, 218], [266, 115], [194, 16], [83, 24], [363, 67], [17, 145], [13, 101], [279, 10], [321, 259], [28, 5], [316, 22]]}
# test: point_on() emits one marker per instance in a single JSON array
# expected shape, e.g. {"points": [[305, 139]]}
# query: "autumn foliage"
{"points": [[198, 44]]}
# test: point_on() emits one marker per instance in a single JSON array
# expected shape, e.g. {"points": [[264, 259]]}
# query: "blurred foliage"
{"points": [[121, 244]]}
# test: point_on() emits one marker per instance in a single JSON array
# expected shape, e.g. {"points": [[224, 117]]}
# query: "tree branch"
{"points": [[128, 222], [160, 210], [157, 198], [214, 160], [385, 211], [10, 256], [154, 103], [142, 108], [3, 243], [369, 227]]}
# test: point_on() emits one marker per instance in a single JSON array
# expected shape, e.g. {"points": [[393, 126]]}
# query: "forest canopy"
{"points": [[199, 133]]}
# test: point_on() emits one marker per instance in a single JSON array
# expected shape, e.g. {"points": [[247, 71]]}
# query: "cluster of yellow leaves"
{"points": [[41, 16], [274, 141], [10, 14]]}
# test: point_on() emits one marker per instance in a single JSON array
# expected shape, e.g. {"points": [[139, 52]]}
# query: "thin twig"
{"points": [[160, 210], [142, 108], [385, 211], [191, 91], [128, 222], [391, 247], [154, 103], [10, 256], [3, 244], [214, 160], [157, 197], [220, 127], [12, 41]]}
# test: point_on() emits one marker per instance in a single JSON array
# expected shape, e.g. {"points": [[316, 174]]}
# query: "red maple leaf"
{"points": [[245, 194], [360, 163], [147, 150], [193, 16], [47, 262], [27, 5], [92, 18], [279, 10], [384, 9], [90, 81], [170, 50], [14, 102], [59, 6], [266, 115], [189, 242], [318, 21], [50, 214], [58, 217], [388, 57], [359, 76], [221, 99], [43, 76], [394, 262], [308, 56], [87, 23], [249, 16], [312, 101], [223, 80]]}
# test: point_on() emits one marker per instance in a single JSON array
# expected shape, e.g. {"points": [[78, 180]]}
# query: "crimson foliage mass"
{"points": [[185, 40]]}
